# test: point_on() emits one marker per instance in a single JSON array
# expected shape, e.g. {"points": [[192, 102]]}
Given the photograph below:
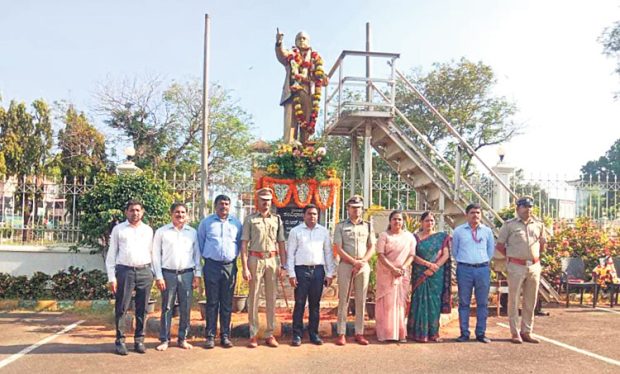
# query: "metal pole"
{"points": [[367, 166], [204, 175], [368, 131], [368, 84], [354, 158], [457, 175]]}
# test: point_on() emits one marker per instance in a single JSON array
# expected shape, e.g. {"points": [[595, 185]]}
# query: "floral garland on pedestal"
{"points": [[303, 71], [324, 194], [302, 175]]}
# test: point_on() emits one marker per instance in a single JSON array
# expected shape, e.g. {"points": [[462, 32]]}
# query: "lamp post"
{"points": [[128, 166], [501, 196]]}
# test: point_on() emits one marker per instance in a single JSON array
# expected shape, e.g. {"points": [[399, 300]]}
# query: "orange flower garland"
{"points": [[303, 71], [313, 192]]}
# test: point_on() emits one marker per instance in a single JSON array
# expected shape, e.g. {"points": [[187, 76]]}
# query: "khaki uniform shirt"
{"points": [[522, 239], [354, 238], [262, 233]]}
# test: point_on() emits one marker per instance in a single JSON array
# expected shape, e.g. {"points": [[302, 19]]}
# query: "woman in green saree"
{"points": [[431, 278]]}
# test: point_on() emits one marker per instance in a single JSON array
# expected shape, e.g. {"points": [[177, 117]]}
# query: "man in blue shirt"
{"points": [[219, 239], [473, 246]]}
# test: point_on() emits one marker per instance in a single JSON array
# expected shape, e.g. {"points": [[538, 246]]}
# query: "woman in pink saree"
{"points": [[396, 250]]}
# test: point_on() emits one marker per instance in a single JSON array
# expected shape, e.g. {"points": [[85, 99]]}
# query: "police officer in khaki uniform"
{"points": [[262, 241], [355, 241], [521, 240]]}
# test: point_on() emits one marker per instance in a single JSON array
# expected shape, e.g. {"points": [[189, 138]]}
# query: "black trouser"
{"points": [[309, 287], [220, 278], [129, 279]]}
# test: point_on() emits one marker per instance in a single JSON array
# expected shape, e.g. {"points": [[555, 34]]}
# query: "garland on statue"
{"points": [[303, 71]]}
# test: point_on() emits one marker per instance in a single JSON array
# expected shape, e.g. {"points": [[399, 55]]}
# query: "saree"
{"points": [[391, 293], [430, 295]]}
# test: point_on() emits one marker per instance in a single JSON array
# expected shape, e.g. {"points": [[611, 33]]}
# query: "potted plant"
{"points": [[372, 284], [242, 288]]}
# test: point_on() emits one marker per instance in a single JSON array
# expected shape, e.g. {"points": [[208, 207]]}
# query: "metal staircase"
{"points": [[364, 107]]}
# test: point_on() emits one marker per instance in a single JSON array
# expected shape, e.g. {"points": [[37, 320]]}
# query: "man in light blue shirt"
{"points": [[219, 239], [473, 246]]}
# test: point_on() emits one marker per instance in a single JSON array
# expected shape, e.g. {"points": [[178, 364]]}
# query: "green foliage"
{"points": [[103, 206], [38, 286], [583, 240], [610, 38], [462, 92], [82, 147], [298, 162], [76, 284], [372, 280], [25, 138], [606, 166], [164, 124], [72, 284]]}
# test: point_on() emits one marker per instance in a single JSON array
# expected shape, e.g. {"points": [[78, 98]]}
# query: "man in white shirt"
{"points": [[128, 264], [310, 264], [176, 261]]}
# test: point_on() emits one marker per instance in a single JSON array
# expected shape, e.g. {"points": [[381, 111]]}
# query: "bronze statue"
{"points": [[301, 93]]}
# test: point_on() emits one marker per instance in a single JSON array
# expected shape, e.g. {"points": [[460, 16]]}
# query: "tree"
{"points": [[606, 166], [164, 125], [104, 204], [462, 92], [599, 176], [82, 147], [610, 38], [26, 138], [25, 141]]}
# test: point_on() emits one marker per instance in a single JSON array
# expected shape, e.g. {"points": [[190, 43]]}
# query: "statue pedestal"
{"points": [[292, 195], [501, 197]]}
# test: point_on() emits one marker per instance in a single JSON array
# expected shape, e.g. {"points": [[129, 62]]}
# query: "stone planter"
{"points": [[150, 306], [370, 309], [203, 309], [239, 303]]}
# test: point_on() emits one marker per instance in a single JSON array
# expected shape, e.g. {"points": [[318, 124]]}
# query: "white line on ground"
{"points": [[46, 340], [570, 347], [608, 310]]}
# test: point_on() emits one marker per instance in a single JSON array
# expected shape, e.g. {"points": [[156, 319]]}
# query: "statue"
{"points": [[301, 94]]}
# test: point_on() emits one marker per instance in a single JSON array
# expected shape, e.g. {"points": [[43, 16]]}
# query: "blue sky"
{"points": [[545, 54]]}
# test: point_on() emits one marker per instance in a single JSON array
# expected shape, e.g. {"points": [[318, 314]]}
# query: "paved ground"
{"points": [[576, 340]]}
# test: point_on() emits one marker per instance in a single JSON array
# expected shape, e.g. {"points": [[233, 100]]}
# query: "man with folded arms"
{"points": [[261, 242], [310, 263], [176, 261], [473, 246], [128, 264], [521, 240], [219, 237]]}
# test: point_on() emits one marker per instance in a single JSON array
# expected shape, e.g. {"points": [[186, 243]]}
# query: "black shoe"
{"points": [[210, 343], [316, 340], [483, 339], [462, 339], [139, 347], [225, 342], [296, 341], [121, 349]]}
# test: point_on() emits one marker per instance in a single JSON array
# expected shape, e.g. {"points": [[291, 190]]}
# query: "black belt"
{"points": [[220, 262], [139, 267], [480, 265], [182, 271], [309, 267]]}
